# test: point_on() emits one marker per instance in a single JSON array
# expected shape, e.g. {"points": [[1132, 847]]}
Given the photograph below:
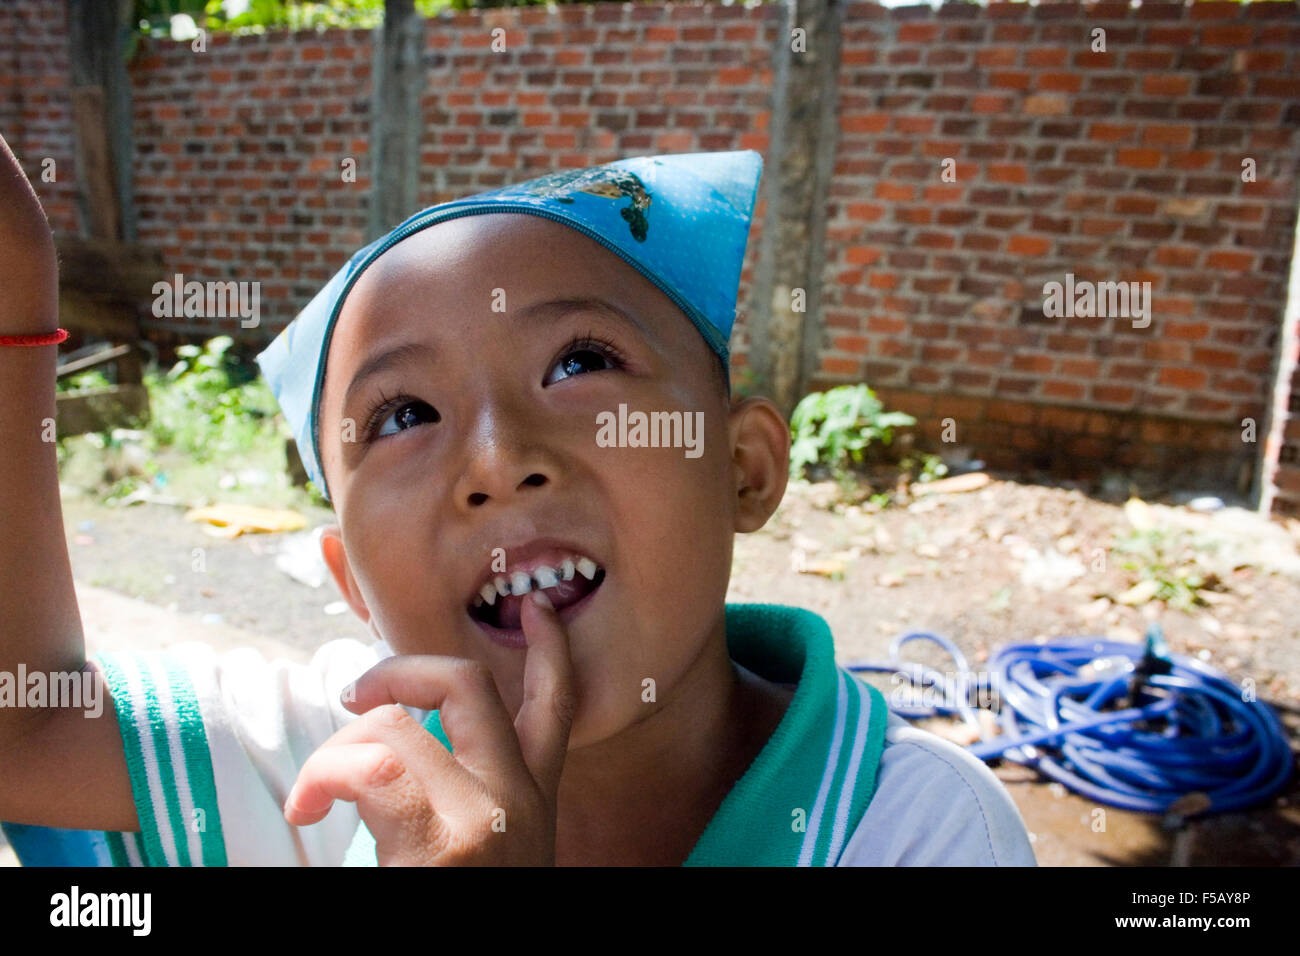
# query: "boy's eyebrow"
{"points": [[550, 310], [554, 308], [385, 360]]}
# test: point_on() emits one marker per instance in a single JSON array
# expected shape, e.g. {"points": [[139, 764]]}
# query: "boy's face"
{"points": [[490, 442]]}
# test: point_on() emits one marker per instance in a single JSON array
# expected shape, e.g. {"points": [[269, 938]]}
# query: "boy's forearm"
{"points": [[39, 623]]}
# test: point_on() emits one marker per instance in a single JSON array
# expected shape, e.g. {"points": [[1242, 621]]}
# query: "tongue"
{"points": [[562, 595]]}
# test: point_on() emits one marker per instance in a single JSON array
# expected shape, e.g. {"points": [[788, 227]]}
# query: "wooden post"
{"points": [[101, 115], [396, 124], [785, 329]]}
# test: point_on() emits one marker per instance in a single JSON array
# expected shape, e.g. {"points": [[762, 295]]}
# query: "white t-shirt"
{"points": [[214, 742]]}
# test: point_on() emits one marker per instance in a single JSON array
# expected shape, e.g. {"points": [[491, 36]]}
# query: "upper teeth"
{"points": [[543, 576]]}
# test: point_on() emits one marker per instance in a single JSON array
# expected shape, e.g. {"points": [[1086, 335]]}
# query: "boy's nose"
{"points": [[503, 459], [478, 498]]}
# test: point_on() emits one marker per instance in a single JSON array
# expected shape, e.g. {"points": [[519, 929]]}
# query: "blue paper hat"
{"points": [[681, 220]]}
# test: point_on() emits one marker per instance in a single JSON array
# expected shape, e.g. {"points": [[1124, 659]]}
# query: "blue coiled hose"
{"points": [[1128, 725]]}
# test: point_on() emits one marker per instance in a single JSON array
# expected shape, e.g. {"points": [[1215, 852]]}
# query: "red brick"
{"points": [[1081, 368], [1100, 227], [1229, 260], [997, 56], [864, 211], [1214, 10], [1237, 34], [1193, 331], [1112, 395], [1188, 378], [895, 192], [1010, 81], [736, 76], [1043, 105], [1139, 158], [914, 124], [918, 32], [886, 325], [989, 103], [942, 194], [1159, 135], [1008, 173], [1028, 245], [1163, 351], [1016, 413], [840, 366], [1111, 132], [1050, 56], [1032, 363], [1066, 390], [1218, 358], [865, 122], [1059, 82], [1166, 84]]}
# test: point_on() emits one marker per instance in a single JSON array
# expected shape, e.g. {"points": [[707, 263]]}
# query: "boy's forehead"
{"points": [[490, 262], [492, 251]]}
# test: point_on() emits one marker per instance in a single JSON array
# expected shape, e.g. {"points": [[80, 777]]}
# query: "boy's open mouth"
{"points": [[498, 604]]}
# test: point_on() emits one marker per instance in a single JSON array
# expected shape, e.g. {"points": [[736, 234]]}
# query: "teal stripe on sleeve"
{"points": [[128, 708], [116, 848], [175, 832], [198, 766]]}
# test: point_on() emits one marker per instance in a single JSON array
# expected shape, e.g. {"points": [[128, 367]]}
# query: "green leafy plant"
{"points": [[924, 467], [832, 430], [93, 378], [210, 404], [153, 17], [1167, 559]]}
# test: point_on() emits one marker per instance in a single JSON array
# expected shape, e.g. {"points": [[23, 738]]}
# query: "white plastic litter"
{"points": [[300, 558]]}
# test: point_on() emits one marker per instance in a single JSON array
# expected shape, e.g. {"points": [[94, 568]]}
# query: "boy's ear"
{"points": [[331, 549], [760, 456]]}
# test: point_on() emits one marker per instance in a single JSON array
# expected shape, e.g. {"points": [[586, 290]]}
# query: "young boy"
{"points": [[555, 675]]}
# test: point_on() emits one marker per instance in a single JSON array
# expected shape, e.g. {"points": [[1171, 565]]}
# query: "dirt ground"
{"points": [[984, 567]]}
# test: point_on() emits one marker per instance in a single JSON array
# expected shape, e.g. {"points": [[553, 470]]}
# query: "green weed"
{"points": [[833, 430]]}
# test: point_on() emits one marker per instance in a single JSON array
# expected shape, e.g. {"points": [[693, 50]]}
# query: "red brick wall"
{"points": [[238, 163], [1123, 165], [35, 110]]}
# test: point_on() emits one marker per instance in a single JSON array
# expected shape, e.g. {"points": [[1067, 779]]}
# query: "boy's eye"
{"points": [[576, 362], [407, 415]]}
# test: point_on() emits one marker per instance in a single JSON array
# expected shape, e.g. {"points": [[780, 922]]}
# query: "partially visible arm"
{"points": [[52, 761]]}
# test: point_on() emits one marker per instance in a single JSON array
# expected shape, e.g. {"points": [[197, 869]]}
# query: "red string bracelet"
{"points": [[48, 338]]}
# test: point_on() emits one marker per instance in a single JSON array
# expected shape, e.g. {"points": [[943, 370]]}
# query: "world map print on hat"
{"points": [[681, 220]]}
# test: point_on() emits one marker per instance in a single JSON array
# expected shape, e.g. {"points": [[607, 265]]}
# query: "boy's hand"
{"points": [[494, 801]]}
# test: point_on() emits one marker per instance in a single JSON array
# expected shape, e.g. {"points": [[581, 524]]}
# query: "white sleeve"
{"points": [[936, 805], [215, 741]]}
